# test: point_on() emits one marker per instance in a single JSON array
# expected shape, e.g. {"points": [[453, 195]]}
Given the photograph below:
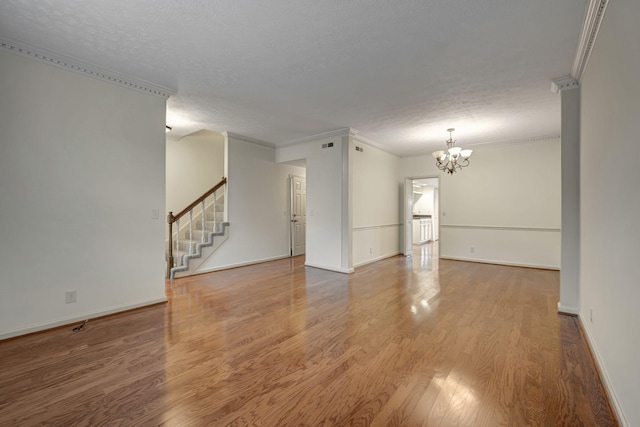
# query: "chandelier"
{"points": [[454, 159]]}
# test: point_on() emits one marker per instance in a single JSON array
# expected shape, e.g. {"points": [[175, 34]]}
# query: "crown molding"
{"points": [[564, 83], [364, 140], [324, 135], [591, 26], [228, 135], [518, 141], [84, 68]]}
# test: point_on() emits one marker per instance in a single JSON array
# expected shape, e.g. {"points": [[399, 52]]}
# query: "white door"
{"points": [[407, 204], [298, 215]]}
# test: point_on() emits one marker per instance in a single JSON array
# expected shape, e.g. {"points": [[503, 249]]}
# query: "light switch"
{"points": [[155, 213]]}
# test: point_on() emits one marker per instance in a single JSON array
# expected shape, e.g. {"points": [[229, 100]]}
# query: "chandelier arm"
{"points": [[454, 160]]}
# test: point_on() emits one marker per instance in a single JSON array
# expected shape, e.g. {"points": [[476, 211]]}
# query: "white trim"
{"points": [[236, 265], [505, 143], [588, 34], [498, 262], [380, 258], [355, 134], [563, 309], [517, 141], [376, 227], [564, 83], [346, 206], [228, 135], [85, 68], [69, 320], [324, 267], [312, 138], [604, 375], [489, 227]]}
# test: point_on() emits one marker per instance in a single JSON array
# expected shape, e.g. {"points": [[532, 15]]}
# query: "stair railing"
{"points": [[171, 219]]}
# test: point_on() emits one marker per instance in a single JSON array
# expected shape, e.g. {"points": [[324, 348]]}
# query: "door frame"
{"points": [[407, 214], [291, 210]]}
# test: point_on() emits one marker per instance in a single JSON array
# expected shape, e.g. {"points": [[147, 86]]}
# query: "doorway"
{"points": [[421, 216], [298, 191]]}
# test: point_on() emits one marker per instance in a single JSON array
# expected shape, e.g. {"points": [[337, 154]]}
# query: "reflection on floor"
{"points": [[403, 341], [425, 256]]}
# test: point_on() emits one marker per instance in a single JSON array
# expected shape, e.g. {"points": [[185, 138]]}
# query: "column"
{"points": [[569, 90]]}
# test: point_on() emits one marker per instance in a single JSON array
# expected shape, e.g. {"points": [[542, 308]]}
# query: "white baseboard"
{"points": [[511, 264], [380, 258], [79, 318], [235, 265], [604, 375], [324, 267], [564, 309]]}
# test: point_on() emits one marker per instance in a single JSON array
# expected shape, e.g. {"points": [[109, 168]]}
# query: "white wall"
{"points": [[257, 206], [329, 217], [325, 216], [376, 204], [506, 201], [195, 163], [610, 204], [570, 166], [81, 169]]}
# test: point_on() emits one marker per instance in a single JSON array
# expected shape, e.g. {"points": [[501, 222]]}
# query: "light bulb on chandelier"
{"points": [[454, 159]]}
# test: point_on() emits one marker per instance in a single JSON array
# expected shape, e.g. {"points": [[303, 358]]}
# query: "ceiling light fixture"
{"points": [[454, 159], [167, 129]]}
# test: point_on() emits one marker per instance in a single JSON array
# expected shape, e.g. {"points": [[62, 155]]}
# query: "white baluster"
{"points": [[215, 213], [202, 228], [190, 231], [179, 260]]}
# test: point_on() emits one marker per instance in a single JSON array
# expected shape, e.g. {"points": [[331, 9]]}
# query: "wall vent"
{"points": [[327, 145], [360, 149]]}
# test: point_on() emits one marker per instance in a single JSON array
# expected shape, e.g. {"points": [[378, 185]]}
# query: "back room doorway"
{"points": [[421, 212]]}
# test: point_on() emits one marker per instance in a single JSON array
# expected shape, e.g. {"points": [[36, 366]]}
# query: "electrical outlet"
{"points": [[155, 213], [70, 296], [472, 249], [370, 250], [590, 314]]}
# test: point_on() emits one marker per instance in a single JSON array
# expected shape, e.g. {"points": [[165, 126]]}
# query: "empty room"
{"points": [[319, 213]]}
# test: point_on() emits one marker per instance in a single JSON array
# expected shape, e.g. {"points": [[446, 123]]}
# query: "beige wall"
{"points": [[81, 171], [610, 204], [257, 205], [503, 208], [376, 204], [195, 163]]}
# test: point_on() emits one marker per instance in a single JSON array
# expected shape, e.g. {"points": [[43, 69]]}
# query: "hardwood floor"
{"points": [[401, 342]]}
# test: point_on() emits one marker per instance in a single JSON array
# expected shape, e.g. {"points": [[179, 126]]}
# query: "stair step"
{"points": [[183, 245], [180, 264], [197, 235], [209, 215], [209, 225]]}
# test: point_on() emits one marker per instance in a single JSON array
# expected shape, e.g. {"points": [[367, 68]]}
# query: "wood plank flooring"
{"points": [[401, 342]]}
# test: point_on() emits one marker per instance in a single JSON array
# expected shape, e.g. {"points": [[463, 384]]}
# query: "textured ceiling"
{"points": [[400, 72]]}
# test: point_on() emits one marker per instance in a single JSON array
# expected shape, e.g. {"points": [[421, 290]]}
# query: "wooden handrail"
{"points": [[171, 218]]}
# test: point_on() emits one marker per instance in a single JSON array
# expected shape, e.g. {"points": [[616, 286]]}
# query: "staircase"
{"points": [[199, 226]]}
